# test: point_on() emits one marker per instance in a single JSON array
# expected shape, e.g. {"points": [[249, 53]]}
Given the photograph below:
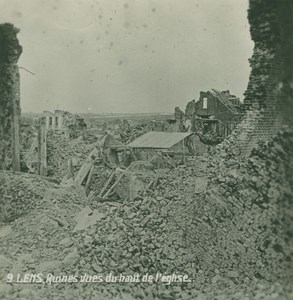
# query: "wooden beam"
{"points": [[83, 171], [107, 183], [113, 186], [89, 178], [42, 147], [15, 122]]}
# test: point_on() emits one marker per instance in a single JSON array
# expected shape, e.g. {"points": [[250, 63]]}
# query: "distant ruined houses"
{"points": [[215, 111]]}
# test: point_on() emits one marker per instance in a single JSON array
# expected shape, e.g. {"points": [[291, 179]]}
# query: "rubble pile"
{"points": [[91, 135], [37, 230], [243, 224], [174, 227], [20, 194], [129, 134], [139, 236], [38, 240], [60, 149], [224, 222], [122, 132], [233, 144]]}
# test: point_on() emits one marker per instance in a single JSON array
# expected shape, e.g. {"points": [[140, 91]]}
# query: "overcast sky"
{"points": [[128, 56]]}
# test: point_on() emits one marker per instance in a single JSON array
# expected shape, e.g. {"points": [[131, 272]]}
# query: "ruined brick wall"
{"points": [[269, 92], [10, 50], [191, 109]]}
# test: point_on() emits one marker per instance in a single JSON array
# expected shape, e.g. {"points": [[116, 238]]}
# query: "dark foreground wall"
{"points": [[10, 51], [270, 89]]}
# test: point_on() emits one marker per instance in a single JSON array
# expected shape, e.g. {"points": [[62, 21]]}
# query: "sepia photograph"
{"points": [[146, 149]]}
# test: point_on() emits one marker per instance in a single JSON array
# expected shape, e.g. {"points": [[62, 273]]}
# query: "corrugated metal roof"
{"points": [[159, 140]]}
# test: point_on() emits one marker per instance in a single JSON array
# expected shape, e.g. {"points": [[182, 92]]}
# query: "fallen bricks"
{"points": [[60, 150], [187, 226], [180, 226], [24, 195]]}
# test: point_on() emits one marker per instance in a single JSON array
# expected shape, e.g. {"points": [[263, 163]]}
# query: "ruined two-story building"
{"points": [[215, 112], [64, 121]]}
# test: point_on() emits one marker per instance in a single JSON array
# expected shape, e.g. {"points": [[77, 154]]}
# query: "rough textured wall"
{"points": [[269, 92], [10, 50]]}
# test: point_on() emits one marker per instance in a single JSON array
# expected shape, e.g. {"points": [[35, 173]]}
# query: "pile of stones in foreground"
{"points": [[243, 224], [36, 236], [20, 194], [195, 222], [233, 232]]}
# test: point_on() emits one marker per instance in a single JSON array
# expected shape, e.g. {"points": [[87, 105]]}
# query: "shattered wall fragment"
{"points": [[10, 51], [269, 92]]}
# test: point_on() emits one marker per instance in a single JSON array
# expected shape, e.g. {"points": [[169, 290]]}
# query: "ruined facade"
{"points": [[220, 111], [10, 51], [213, 116], [269, 92], [63, 120]]}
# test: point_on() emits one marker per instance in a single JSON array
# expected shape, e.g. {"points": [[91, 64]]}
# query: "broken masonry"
{"points": [[10, 51]]}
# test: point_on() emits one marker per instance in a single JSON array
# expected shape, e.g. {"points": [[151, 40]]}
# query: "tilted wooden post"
{"points": [[15, 125], [42, 147]]}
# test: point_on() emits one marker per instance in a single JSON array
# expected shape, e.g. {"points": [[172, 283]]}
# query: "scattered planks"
{"points": [[113, 186], [83, 172], [89, 177], [87, 168], [107, 183], [104, 193]]}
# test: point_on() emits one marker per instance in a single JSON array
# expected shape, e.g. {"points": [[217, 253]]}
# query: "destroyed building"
{"points": [[64, 121], [168, 125], [215, 111]]}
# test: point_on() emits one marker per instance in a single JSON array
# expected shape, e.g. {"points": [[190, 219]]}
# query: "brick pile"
{"points": [[232, 240], [20, 194], [223, 221], [60, 149], [243, 223]]}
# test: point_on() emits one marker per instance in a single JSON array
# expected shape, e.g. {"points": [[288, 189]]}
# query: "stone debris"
{"points": [[86, 218], [191, 222], [24, 195], [5, 230], [223, 219]]}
